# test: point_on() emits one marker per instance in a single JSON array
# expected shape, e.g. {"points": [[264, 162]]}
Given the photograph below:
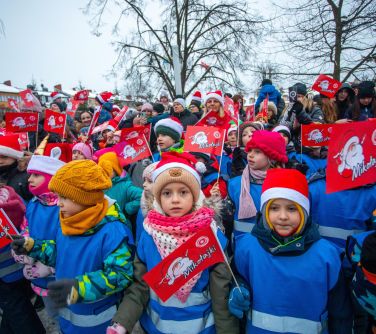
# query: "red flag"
{"points": [[204, 65], [212, 119], [119, 117], [72, 107], [201, 251], [6, 228], [135, 132], [23, 139], [326, 85], [204, 139], [316, 134], [351, 156], [82, 95], [262, 116], [54, 122], [94, 121], [132, 150], [12, 103], [21, 121], [250, 113], [27, 98], [230, 107]]}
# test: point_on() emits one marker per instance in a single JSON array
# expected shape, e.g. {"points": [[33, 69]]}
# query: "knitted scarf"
{"points": [[169, 233], [84, 220], [247, 208]]}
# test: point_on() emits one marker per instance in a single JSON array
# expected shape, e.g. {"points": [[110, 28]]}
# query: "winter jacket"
{"points": [[366, 112], [297, 283], [13, 177], [273, 94], [126, 194], [185, 117]]}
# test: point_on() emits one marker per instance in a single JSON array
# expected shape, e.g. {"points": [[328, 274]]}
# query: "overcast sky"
{"points": [[51, 42]]}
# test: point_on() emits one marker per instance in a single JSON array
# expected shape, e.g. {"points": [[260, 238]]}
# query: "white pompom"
{"points": [[200, 167]]}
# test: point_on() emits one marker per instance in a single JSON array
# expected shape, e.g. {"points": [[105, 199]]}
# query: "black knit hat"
{"points": [[368, 257], [300, 88], [196, 103], [366, 89], [158, 107], [266, 82]]}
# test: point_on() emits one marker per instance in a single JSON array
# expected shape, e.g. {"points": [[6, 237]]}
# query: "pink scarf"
{"points": [[169, 233], [247, 207]]}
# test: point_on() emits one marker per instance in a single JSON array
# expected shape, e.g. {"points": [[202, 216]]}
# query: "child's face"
{"points": [[247, 135], [77, 155], [148, 186], [232, 138], [176, 199], [257, 160], [68, 208], [365, 101], [284, 216], [35, 180], [164, 141], [6, 161]]}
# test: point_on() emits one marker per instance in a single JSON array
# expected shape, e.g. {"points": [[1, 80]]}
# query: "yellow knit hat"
{"points": [[82, 181], [113, 159]]}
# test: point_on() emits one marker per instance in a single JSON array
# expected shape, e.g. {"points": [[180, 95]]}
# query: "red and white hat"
{"points": [[10, 146], [169, 126], [44, 164], [285, 183], [176, 167], [103, 97], [197, 96], [218, 95], [55, 96]]}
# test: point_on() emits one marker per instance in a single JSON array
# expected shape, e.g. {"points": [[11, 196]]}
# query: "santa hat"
{"points": [[181, 101], [103, 97], [218, 95], [271, 143], [44, 164], [55, 95], [85, 149], [231, 129], [285, 183], [10, 146], [197, 96], [115, 110], [176, 167], [170, 127]]}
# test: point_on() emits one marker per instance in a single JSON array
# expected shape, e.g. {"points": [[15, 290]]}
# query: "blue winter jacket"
{"points": [[270, 91]]}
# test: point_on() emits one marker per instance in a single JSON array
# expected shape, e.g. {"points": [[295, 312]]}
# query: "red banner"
{"points": [[326, 85], [132, 150], [262, 116], [54, 122], [27, 98], [351, 156], [72, 107], [119, 117], [6, 228], [94, 121], [229, 107], [250, 113], [81, 96], [316, 134], [23, 137], [212, 119], [21, 121], [135, 132], [201, 251], [12, 103], [204, 139]]}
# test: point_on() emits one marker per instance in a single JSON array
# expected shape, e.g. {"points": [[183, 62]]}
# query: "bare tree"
{"points": [[337, 37], [214, 42]]}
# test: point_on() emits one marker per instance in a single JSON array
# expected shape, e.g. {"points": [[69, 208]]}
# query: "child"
{"points": [[228, 148], [168, 132], [91, 254], [284, 131], [82, 151], [18, 314], [177, 216], [42, 214], [295, 277], [265, 150]]}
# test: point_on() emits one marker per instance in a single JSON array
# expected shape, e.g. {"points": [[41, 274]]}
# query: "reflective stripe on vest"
{"points": [[284, 324], [10, 269], [92, 320], [243, 226], [181, 327], [195, 298], [335, 232]]}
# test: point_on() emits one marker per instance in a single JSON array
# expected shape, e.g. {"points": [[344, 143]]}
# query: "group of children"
{"points": [[88, 236]]}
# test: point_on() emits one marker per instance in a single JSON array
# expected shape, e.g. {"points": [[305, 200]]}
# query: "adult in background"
{"points": [[269, 90], [364, 106], [165, 101], [344, 100], [182, 114]]}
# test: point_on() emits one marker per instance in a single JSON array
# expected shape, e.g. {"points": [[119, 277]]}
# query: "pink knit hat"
{"points": [[271, 143], [85, 149]]}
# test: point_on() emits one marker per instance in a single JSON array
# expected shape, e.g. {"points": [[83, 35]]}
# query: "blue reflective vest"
{"points": [[314, 164], [342, 213], [194, 316], [80, 254], [234, 190], [289, 293], [43, 221], [10, 271]]}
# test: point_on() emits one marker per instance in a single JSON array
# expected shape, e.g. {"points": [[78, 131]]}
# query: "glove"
{"points": [[63, 292], [239, 301], [21, 245], [116, 328], [297, 108]]}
